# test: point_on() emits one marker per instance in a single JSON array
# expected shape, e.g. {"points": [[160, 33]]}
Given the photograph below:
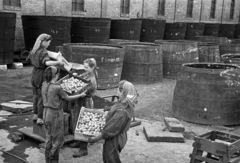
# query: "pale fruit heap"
{"points": [[72, 85], [91, 123]]}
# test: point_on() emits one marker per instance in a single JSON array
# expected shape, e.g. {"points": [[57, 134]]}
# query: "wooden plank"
{"points": [[206, 136], [195, 153], [234, 145], [212, 147], [229, 135], [208, 160], [173, 125], [17, 106], [154, 133], [235, 160], [29, 132]]}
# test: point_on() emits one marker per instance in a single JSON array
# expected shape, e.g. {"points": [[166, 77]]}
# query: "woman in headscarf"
{"points": [[91, 75], [40, 60], [53, 100], [117, 123]]}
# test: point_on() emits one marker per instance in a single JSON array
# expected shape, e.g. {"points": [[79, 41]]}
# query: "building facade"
{"points": [[206, 11]]}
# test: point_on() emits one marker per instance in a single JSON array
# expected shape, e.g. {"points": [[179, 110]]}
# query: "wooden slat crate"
{"points": [[220, 147]]}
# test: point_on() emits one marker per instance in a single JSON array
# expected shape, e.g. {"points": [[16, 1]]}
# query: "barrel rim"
{"points": [[45, 16], [186, 66], [90, 18], [91, 44]]}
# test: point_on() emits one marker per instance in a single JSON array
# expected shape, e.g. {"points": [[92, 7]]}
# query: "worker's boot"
{"points": [[80, 153]]}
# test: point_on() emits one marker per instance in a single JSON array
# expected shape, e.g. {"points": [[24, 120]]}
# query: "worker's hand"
{"points": [[107, 108], [60, 63], [83, 94], [60, 53], [92, 139]]}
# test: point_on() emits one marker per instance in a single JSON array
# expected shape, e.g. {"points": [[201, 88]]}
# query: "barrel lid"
{"points": [[99, 46]]}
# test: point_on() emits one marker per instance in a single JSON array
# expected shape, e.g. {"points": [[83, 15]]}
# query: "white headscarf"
{"points": [[38, 42], [129, 93]]}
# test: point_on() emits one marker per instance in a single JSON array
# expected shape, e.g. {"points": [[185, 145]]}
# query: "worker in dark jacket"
{"points": [[91, 75], [40, 60], [117, 123], [53, 100]]}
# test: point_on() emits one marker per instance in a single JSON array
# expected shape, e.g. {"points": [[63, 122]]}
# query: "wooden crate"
{"points": [[78, 135], [85, 88], [220, 147]]}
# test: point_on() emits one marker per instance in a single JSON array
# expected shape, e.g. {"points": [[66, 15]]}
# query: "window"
{"points": [[161, 7], [213, 9], [77, 5], [189, 8], [125, 6], [12, 3], [232, 9]]}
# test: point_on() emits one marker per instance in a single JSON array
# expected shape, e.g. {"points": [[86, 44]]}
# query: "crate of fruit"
{"points": [[74, 84], [90, 123]]}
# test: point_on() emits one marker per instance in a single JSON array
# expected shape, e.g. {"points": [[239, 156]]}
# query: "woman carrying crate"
{"points": [[53, 100], [40, 60], [91, 75], [117, 123]]}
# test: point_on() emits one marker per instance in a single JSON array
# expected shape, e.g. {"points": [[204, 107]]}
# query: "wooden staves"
{"points": [[57, 26], [152, 29], [125, 29], [211, 29], [175, 31], [90, 30], [142, 62], [208, 52], [227, 30], [7, 37], [175, 53], [207, 93], [193, 30]]}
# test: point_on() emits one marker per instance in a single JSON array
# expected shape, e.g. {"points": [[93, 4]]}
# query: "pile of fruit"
{"points": [[72, 85], [91, 123]]}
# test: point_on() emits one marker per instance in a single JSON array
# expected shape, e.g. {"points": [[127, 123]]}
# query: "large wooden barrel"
{"points": [[126, 29], [56, 26], [211, 29], [175, 53], [227, 30], [152, 29], [212, 39], [90, 30], [109, 59], [207, 93], [193, 30], [208, 52], [7, 37], [142, 63], [175, 31], [229, 48]]}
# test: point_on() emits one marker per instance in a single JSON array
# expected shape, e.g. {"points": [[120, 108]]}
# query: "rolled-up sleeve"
{"points": [[114, 125]]}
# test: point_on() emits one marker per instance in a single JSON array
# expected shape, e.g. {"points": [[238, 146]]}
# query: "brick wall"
{"points": [[111, 9]]}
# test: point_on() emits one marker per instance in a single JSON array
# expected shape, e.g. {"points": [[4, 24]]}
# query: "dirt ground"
{"points": [[154, 104]]}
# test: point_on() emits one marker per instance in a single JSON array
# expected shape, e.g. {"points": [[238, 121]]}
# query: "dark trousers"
{"points": [[37, 102], [54, 125], [110, 153]]}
